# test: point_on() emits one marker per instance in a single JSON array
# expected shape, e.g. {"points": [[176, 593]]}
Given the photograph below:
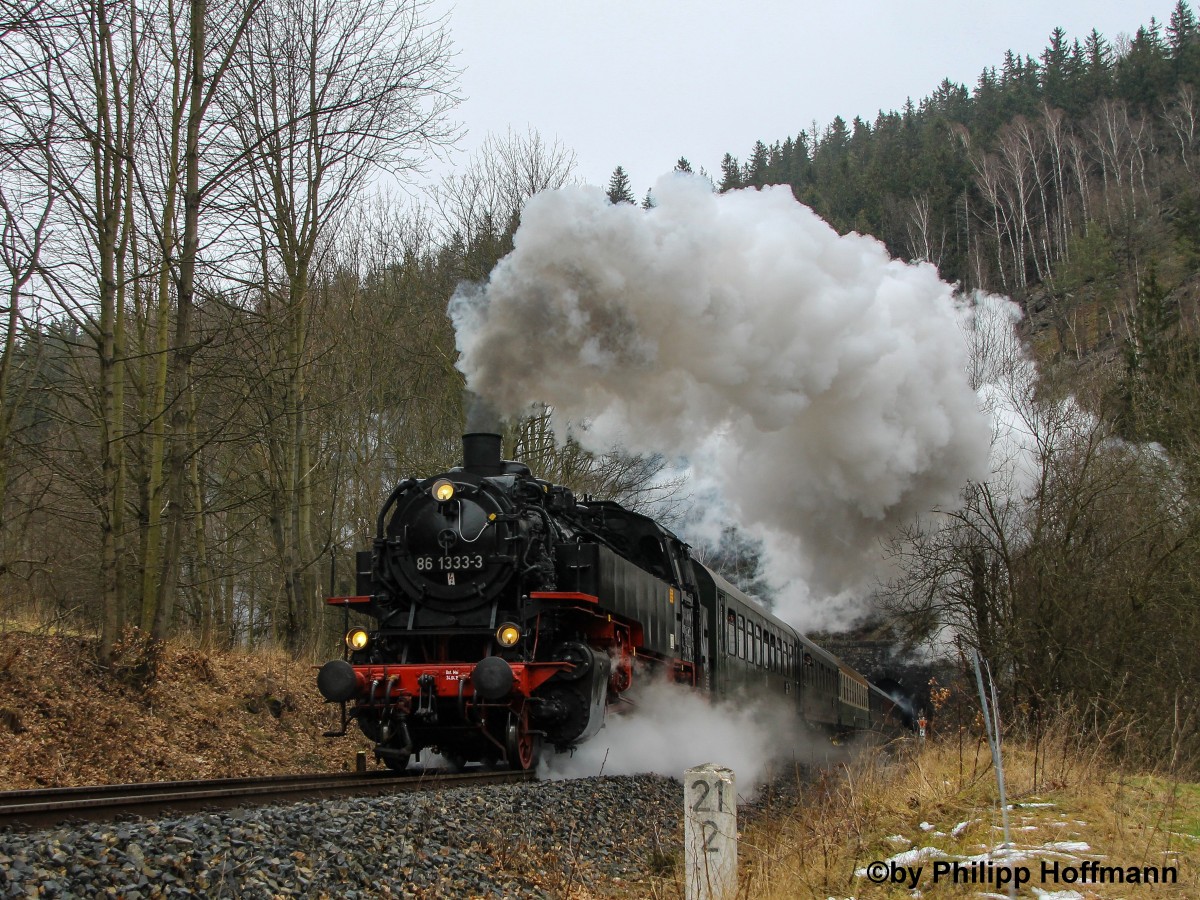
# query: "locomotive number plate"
{"points": [[460, 563]]}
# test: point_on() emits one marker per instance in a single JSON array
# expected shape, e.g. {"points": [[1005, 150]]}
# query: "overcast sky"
{"points": [[639, 83]]}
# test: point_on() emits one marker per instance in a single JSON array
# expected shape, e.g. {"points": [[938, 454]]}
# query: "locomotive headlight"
{"points": [[508, 634], [443, 490], [357, 639]]}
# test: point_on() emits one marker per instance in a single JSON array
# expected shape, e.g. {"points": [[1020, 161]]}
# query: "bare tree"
{"points": [[1070, 567], [322, 94], [489, 192], [69, 106], [628, 478], [1120, 144], [926, 242], [212, 41], [21, 242], [1183, 116]]}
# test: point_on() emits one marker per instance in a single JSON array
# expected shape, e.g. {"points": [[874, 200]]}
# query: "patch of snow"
{"points": [[907, 858], [1069, 846]]}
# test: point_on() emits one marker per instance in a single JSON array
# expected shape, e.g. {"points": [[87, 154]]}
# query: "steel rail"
{"points": [[50, 806]]}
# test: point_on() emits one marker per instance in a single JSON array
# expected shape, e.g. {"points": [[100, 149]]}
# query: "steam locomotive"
{"points": [[507, 616]]}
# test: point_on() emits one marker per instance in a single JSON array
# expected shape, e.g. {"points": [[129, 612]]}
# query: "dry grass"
{"points": [[178, 713], [943, 795]]}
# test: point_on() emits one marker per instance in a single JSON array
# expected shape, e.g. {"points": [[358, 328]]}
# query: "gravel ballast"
{"points": [[528, 840]]}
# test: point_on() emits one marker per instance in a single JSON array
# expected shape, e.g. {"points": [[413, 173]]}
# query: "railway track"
{"points": [[50, 806]]}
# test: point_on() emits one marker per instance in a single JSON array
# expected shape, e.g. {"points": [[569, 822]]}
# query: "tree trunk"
{"points": [[185, 292]]}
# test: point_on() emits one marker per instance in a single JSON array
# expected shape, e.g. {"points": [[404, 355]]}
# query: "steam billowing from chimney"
{"points": [[818, 385], [481, 416]]}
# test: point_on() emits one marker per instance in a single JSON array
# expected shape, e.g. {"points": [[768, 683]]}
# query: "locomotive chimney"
{"points": [[481, 453]]}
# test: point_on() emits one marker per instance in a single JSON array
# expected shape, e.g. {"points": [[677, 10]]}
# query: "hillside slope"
{"points": [[205, 715]]}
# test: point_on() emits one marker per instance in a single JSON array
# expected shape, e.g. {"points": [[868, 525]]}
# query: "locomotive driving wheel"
{"points": [[522, 746]]}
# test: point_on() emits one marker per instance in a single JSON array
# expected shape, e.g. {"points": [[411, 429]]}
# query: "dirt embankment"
{"points": [[177, 713]]}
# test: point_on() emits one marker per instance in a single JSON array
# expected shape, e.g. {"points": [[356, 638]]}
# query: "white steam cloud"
{"points": [[671, 728], [820, 386]]}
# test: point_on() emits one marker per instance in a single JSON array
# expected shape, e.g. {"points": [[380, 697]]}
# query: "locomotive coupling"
{"points": [[336, 681]]}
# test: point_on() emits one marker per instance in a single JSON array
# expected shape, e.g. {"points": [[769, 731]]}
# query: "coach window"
{"points": [[731, 633], [741, 637], [758, 649]]}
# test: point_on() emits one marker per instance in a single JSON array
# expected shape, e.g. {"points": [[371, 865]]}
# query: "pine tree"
{"points": [[1054, 69], [1098, 64], [648, 202], [1144, 74], [731, 174], [619, 190], [1183, 35], [798, 175], [756, 168], [1182, 28], [682, 165]]}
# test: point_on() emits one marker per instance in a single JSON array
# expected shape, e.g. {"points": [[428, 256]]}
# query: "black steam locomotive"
{"points": [[508, 615]]}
